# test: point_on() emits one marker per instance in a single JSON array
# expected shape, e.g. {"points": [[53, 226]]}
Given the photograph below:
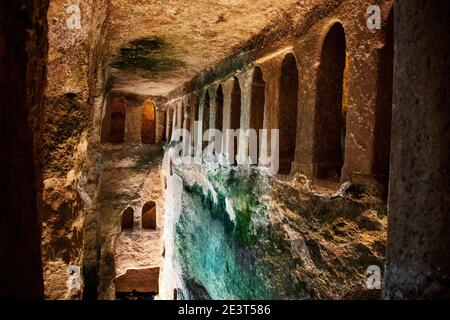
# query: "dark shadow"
{"points": [[287, 112], [329, 122], [149, 215], [383, 113], [257, 105]]}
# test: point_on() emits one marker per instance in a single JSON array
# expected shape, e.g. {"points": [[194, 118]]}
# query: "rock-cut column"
{"points": [[418, 249]]}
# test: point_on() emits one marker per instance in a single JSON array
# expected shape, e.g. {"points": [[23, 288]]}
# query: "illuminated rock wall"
{"points": [[241, 234]]}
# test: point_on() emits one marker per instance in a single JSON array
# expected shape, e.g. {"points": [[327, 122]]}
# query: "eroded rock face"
{"points": [[131, 180], [231, 233], [240, 234], [70, 166]]}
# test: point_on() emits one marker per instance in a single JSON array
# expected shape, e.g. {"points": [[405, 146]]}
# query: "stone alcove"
{"points": [[149, 216]]}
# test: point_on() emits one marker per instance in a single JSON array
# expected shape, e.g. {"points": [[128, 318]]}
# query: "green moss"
{"points": [[225, 69], [145, 159], [244, 206], [146, 56], [217, 210], [229, 259]]}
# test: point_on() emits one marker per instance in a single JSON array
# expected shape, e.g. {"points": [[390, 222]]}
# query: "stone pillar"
{"points": [[133, 122], [170, 117], [245, 82], [174, 117], [186, 114], [418, 248], [179, 111], [106, 120], [307, 64], [198, 129], [213, 106], [192, 100], [367, 67], [227, 87], [161, 124], [271, 70]]}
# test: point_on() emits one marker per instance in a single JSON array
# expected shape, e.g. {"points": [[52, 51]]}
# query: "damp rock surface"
{"points": [[245, 235]]}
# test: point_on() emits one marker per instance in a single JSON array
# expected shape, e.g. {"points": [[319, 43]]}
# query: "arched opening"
{"points": [[117, 124], [196, 107], [169, 124], [287, 112], [219, 106], [148, 126], [383, 113], [149, 215], [258, 100], [235, 116], [331, 107], [128, 218], [206, 115], [187, 117], [196, 115], [206, 112]]}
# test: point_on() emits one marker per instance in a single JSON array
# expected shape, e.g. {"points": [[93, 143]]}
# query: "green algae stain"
{"points": [[241, 258], [146, 56], [210, 249], [217, 210], [244, 206]]}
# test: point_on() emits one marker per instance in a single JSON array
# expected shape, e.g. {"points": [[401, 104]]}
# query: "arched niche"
{"points": [[148, 125], [258, 99], [331, 106], [287, 112], [128, 218], [235, 114], [206, 112], [219, 108], [117, 123], [149, 215]]}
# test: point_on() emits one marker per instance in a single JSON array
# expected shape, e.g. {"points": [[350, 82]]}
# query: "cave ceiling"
{"points": [[156, 46]]}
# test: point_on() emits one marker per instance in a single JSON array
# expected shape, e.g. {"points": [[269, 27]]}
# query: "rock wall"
{"points": [[131, 178], [239, 233], [23, 57], [74, 95], [242, 234], [368, 95], [418, 255]]}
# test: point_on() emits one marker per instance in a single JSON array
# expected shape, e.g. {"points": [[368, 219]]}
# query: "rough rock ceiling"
{"points": [[157, 45]]}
